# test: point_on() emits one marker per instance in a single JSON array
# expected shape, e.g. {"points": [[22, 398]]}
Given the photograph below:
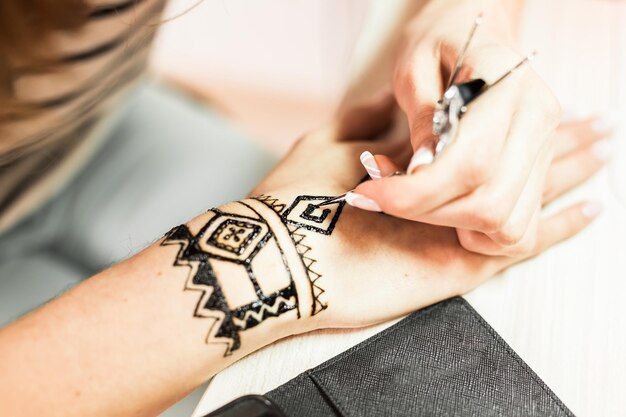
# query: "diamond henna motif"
{"points": [[237, 240]]}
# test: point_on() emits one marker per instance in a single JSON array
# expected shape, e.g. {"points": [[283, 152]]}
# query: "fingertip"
{"points": [[580, 216], [360, 201], [370, 164], [568, 223], [601, 150], [591, 209], [603, 126], [569, 116]]}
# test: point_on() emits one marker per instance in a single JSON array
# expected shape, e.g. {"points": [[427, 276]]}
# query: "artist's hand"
{"points": [[374, 266], [490, 184]]}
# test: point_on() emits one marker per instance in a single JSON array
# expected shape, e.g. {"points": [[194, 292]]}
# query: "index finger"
{"points": [[463, 167]]}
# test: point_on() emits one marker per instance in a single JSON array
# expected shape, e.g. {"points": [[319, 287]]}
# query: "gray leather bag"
{"points": [[444, 360]]}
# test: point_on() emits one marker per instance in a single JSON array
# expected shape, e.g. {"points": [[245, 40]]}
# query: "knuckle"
{"points": [[510, 235], [545, 100], [467, 240], [474, 172], [524, 248], [488, 218], [549, 191]]}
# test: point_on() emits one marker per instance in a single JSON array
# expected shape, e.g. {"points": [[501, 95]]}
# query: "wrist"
{"points": [[254, 261]]}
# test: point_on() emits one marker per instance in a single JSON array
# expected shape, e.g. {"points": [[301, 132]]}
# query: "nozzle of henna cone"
{"points": [[333, 200]]}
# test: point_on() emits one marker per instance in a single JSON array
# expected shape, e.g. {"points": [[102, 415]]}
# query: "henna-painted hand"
{"points": [[373, 266], [490, 184]]}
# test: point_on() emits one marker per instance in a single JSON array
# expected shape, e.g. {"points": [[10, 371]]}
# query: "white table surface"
{"points": [[564, 312]]}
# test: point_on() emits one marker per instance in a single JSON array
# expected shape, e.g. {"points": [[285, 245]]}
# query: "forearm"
{"points": [[138, 336]]}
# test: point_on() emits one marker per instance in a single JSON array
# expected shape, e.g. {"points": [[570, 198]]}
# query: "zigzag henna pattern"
{"points": [[301, 216], [303, 250], [202, 251], [236, 240]]}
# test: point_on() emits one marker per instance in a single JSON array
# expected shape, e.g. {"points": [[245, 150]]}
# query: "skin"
{"points": [[490, 185], [580, 151], [421, 263]]}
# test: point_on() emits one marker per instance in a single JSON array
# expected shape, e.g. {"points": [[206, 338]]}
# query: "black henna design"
{"points": [[271, 202], [237, 239], [309, 214], [307, 261], [234, 236], [199, 251], [303, 213]]}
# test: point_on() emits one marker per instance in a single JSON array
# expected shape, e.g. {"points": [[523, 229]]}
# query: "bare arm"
{"points": [[140, 335], [135, 338]]}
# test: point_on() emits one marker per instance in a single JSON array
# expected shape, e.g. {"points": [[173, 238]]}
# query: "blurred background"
{"points": [[278, 67]]}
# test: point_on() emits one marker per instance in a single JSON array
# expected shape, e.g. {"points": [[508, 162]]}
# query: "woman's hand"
{"points": [[374, 267], [490, 185]]}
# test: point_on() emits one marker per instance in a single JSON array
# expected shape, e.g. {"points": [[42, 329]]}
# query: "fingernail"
{"points": [[369, 163], [572, 115], [601, 150], [423, 156], [602, 126], [362, 202], [591, 209]]}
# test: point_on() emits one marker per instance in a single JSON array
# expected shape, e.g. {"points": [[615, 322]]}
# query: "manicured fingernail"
{"points": [[362, 202], [602, 126], [423, 156], [369, 163], [592, 209], [601, 150]]}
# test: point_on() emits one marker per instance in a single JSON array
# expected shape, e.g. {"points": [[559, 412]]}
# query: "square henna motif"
{"points": [[304, 213], [234, 235]]}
